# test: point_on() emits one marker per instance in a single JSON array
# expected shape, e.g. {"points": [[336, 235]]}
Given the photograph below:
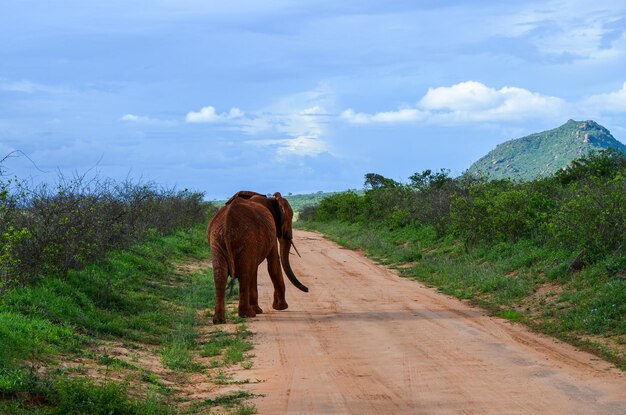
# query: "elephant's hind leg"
{"points": [[276, 274], [254, 295], [246, 277], [220, 274]]}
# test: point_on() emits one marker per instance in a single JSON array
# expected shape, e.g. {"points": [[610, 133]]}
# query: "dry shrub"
{"points": [[54, 228]]}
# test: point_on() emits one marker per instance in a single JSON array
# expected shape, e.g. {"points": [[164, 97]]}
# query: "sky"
{"points": [[295, 96]]}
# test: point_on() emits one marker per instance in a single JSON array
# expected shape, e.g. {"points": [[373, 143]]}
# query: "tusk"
{"points": [[294, 247]]}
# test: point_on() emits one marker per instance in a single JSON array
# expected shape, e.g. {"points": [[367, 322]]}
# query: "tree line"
{"points": [[582, 208]]}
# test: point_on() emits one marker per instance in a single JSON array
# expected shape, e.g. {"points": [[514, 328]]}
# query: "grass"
{"points": [[232, 347], [510, 315], [82, 395], [245, 409], [521, 282], [230, 399], [175, 355], [151, 378], [235, 351], [115, 363], [138, 301]]}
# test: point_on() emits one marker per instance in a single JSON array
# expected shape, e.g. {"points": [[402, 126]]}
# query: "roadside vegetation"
{"points": [[105, 301], [550, 253], [299, 202]]}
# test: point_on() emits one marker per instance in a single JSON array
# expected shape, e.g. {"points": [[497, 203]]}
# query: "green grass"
{"points": [[504, 279], [176, 356], [223, 378], [230, 399], [211, 349], [232, 347], [151, 378], [177, 351], [235, 353], [134, 296], [510, 315], [115, 363], [245, 409], [81, 395]]}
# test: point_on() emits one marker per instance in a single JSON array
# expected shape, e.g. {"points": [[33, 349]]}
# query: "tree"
{"points": [[377, 181], [429, 180]]}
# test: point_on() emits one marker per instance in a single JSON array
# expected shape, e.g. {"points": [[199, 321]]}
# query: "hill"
{"points": [[542, 154], [298, 202]]}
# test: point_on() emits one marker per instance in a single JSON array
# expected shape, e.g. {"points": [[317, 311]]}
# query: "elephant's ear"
{"points": [[244, 194], [279, 215]]}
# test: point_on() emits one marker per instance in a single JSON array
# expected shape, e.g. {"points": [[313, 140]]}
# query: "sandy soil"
{"points": [[365, 341]]}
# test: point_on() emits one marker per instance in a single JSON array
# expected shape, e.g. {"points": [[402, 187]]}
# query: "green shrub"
{"points": [[581, 208], [593, 218], [347, 206], [500, 211]]}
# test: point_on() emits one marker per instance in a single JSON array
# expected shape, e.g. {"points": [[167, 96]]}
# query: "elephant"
{"points": [[249, 228]]}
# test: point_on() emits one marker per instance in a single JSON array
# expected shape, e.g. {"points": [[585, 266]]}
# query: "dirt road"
{"points": [[365, 341]]}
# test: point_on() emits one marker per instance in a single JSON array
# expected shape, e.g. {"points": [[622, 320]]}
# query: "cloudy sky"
{"points": [[296, 96]]}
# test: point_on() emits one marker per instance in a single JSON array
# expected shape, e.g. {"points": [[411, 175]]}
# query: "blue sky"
{"points": [[296, 96]]}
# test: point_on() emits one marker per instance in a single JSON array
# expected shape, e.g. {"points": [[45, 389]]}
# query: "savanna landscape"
{"points": [[261, 207], [108, 292]]}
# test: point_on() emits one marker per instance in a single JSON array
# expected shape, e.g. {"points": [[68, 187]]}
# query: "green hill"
{"points": [[298, 202], [543, 154]]}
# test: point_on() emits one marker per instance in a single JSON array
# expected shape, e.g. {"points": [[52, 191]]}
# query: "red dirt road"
{"points": [[365, 341]]}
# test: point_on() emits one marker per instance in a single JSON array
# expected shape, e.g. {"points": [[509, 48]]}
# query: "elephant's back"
{"points": [[242, 223]]}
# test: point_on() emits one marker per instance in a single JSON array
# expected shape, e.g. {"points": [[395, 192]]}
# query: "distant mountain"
{"points": [[543, 154]]}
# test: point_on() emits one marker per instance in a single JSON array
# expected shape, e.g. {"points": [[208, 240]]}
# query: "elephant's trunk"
{"points": [[285, 245]]}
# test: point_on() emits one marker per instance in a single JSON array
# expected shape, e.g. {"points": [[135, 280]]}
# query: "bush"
{"points": [[500, 211], [581, 207], [593, 218], [347, 206], [605, 164], [308, 213], [53, 229]]}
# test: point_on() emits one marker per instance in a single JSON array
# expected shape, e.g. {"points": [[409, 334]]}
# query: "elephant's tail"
{"points": [[231, 261]]}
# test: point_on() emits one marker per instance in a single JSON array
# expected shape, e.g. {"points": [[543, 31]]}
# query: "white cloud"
{"points": [[303, 117], [208, 114], [142, 119], [301, 114], [299, 146], [309, 122], [315, 110], [567, 27], [303, 146], [133, 118], [576, 28], [469, 101], [465, 96], [474, 101], [612, 102], [399, 116]]}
